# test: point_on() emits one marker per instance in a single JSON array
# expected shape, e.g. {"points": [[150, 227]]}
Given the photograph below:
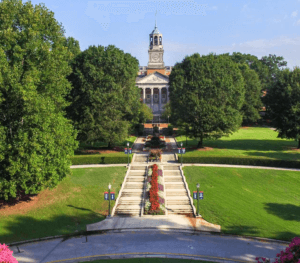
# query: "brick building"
{"points": [[153, 80]]}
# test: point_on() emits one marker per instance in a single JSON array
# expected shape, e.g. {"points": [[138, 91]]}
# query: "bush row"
{"points": [[99, 159], [241, 161]]}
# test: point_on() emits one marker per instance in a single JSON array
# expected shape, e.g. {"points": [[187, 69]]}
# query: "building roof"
{"points": [[155, 31]]}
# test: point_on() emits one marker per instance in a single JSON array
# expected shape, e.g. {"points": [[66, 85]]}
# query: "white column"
{"points": [[144, 94], [159, 96], [167, 94], [151, 98]]}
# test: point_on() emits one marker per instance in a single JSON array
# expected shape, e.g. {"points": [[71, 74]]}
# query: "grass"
{"points": [[77, 201], [261, 203], [149, 260], [250, 142]]}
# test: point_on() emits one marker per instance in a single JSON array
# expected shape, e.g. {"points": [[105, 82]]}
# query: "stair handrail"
{"points": [[188, 191], [120, 192], [144, 192]]}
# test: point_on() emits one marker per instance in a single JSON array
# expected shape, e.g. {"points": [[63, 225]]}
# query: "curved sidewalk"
{"points": [[149, 243]]}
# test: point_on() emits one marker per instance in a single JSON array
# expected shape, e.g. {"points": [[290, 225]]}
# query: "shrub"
{"points": [[99, 159], [6, 255], [241, 161], [291, 254]]}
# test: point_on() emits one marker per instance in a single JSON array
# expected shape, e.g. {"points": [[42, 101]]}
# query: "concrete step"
{"points": [[136, 173], [166, 168], [128, 207], [178, 198], [125, 190], [130, 198], [131, 195], [171, 172], [179, 207], [173, 180], [140, 168], [134, 184], [139, 179], [129, 203], [175, 193], [177, 202], [174, 186]]}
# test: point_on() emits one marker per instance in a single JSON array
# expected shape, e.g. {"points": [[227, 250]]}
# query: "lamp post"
{"points": [[128, 152], [109, 186], [198, 186], [181, 153]]}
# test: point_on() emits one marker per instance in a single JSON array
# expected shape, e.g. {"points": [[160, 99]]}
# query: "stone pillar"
{"points": [[159, 97], [144, 94], [151, 98]]}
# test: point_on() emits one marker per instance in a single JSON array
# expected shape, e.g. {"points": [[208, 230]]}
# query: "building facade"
{"points": [[153, 80]]}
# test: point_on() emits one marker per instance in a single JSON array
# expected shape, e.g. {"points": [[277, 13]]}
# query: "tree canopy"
{"points": [[104, 101], [36, 139], [283, 104], [207, 93]]}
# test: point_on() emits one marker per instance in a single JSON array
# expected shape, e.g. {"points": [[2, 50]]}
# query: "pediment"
{"points": [[155, 77]]}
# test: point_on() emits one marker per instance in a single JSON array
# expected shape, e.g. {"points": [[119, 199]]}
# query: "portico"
{"points": [[154, 91]]}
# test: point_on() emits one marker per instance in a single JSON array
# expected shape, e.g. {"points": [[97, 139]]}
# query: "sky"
{"points": [[258, 27]]}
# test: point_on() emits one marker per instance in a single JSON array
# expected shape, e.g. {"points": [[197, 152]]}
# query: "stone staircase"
{"points": [[131, 199], [177, 200]]}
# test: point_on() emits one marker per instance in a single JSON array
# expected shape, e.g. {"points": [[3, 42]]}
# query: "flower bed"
{"points": [[154, 201]]}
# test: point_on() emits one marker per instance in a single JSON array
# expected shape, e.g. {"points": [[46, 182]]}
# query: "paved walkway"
{"points": [[149, 243]]}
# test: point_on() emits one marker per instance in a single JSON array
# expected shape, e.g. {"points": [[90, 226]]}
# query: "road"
{"points": [[152, 243]]}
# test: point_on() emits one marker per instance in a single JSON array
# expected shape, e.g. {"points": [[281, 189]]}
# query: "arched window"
{"points": [[151, 41], [160, 40], [155, 40]]}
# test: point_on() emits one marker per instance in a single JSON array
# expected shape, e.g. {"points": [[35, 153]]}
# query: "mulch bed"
{"points": [[201, 149]]}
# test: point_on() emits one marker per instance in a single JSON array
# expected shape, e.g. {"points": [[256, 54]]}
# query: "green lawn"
{"points": [[149, 260], [251, 202], [250, 142], [78, 200]]}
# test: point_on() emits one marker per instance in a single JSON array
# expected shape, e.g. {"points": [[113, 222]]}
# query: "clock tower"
{"points": [[156, 52]]}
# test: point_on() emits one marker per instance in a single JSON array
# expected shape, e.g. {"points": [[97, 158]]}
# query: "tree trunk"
{"points": [[200, 143], [109, 145], [299, 143]]}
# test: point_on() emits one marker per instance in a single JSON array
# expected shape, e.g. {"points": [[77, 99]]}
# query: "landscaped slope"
{"points": [[254, 202], [77, 201]]}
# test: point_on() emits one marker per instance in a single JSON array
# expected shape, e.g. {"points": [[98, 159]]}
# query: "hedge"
{"points": [[99, 159], [241, 161]]}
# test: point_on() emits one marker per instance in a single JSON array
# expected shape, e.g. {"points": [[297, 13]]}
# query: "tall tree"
{"points": [[275, 65], [253, 87], [253, 93], [283, 104], [145, 113], [105, 101], [73, 46], [36, 139], [207, 93]]}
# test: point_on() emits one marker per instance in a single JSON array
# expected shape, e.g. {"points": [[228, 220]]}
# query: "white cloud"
{"points": [[298, 22], [294, 14]]}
